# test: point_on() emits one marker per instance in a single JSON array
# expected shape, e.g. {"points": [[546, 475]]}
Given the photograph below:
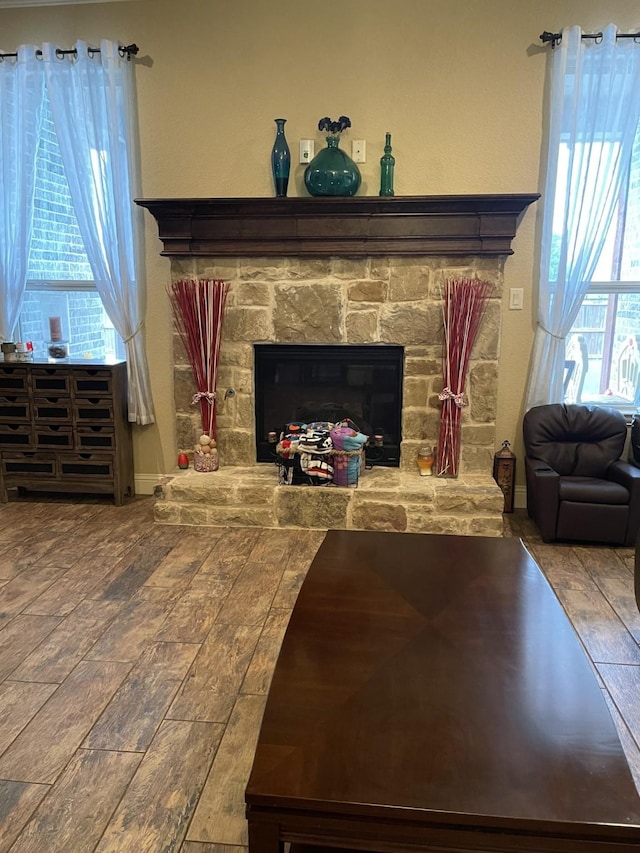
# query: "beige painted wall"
{"points": [[460, 84]]}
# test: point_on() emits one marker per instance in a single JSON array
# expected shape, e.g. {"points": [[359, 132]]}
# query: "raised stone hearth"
{"points": [[386, 499], [346, 271]]}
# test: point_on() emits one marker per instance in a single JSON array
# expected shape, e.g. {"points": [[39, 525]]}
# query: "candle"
{"points": [[55, 329]]}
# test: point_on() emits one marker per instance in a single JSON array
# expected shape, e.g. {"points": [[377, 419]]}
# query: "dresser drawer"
{"points": [[41, 465], [52, 409], [90, 465], [13, 379], [14, 408], [95, 438], [51, 379], [16, 436], [93, 410], [53, 437], [91, 382]]}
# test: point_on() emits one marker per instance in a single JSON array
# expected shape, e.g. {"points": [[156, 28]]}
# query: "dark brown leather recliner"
{"points": [[634, 457], [637, 572], [634, 450], [578, 487]]}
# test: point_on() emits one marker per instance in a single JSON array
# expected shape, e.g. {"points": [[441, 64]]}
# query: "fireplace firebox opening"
{"points": [[318, 382]]}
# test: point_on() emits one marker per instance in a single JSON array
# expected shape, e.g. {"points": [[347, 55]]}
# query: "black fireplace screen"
{"points": [[317, 382]]}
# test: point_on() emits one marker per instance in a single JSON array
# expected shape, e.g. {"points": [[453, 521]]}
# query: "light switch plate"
{"points": [[516, 299], [307, 149]]}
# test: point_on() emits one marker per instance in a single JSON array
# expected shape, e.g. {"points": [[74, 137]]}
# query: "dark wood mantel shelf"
{"points": [[358, 227]]}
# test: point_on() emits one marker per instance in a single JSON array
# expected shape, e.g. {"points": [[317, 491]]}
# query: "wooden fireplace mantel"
{"points": [[353, 227]]}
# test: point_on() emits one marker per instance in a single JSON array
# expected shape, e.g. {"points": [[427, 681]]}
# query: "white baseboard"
{"points": [[520, 497], [145, 483]]}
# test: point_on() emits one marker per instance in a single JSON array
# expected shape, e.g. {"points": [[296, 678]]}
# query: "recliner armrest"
{"points": [[540, 467], [542, 487], [628, 475], [634, 443], [625, 473]]}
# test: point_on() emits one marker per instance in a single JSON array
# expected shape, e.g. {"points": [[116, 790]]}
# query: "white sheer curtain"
{"points": [[92, 98], [21, 91], [595, 104]]}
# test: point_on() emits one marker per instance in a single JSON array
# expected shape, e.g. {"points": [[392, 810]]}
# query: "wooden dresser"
{"points": [[64, 428]]}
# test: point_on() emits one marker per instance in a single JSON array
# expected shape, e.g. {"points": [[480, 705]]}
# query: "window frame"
{"points": [[616, 286]]}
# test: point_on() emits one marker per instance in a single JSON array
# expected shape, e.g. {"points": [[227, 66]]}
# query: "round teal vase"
{"points": [[332, 172]]}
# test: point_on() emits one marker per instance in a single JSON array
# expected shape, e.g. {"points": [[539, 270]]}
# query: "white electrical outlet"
{"points": [[516, 299], [359, 151]]}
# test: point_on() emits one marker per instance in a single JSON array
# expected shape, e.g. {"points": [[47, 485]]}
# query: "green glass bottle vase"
{"points": [[332, 172], [280, 160], [387, 164]]}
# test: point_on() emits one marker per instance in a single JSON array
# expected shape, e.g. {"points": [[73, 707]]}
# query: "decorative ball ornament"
{"points": [[205, 454]]}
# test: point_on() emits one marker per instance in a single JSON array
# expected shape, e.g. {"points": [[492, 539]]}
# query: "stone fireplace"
{"points": [[343, 272], [307, 383]]}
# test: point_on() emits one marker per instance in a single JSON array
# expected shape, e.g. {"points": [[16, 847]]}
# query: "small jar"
{"points": [[57, 350], [425, 460], [8, 350]]}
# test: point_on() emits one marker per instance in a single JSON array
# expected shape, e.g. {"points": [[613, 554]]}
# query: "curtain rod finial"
{"points": [[129, 49], [554, 38]]}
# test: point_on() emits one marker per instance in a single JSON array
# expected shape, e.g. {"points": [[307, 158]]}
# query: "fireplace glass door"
{"points": [[317, 382]]}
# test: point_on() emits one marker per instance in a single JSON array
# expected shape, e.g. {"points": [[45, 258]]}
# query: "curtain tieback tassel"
{"points": [[551, 335], [137, 329]]}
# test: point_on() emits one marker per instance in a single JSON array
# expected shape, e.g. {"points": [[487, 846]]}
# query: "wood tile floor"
{"points": [[135, 661]]}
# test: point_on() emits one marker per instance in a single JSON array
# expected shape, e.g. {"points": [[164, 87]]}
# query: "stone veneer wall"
{"points": [[352, 301]]}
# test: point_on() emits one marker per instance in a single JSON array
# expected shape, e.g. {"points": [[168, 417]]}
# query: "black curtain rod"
{"points": [[556, 38], [127, 50]]}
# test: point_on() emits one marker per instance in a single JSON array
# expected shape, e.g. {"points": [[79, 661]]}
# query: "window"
{"points": [[603, 346], [60, 282], [586, 342]]}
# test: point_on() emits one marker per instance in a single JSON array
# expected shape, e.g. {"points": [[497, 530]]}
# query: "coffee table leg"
{"points": [[264, 837]]}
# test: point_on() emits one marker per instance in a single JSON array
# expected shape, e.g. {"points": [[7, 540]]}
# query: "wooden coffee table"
{"points": [[431, 694]]}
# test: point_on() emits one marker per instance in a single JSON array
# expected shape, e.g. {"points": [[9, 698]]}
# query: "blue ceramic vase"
{"points": [[280, 159]]}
